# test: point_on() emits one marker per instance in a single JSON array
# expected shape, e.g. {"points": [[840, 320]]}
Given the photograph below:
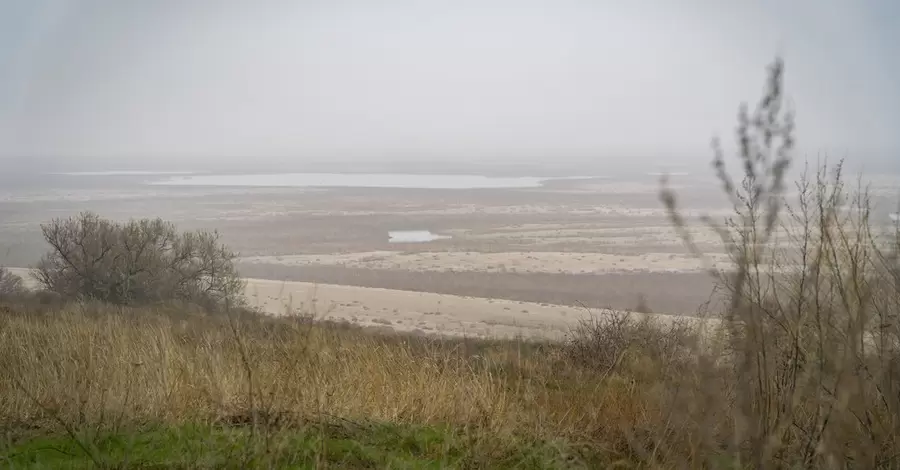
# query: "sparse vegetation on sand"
{"points": [[804, 372]]}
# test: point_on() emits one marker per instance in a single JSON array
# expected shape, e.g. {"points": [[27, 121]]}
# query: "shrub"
{"points": [[11, 285], [615, 340], [814, 338], [140, 261]]}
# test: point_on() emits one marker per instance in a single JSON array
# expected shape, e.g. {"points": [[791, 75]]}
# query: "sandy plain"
{"points": [[421, 313], [518, 261]]}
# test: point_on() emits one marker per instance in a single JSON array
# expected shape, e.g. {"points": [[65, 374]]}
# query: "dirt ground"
{"points": [[598, 243], [422, 313]]}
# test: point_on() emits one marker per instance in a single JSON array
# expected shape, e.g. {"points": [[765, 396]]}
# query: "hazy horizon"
{"points": [[265, 86]]}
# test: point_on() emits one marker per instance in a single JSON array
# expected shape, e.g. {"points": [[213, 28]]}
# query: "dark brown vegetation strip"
{"points": [[681, 293]]}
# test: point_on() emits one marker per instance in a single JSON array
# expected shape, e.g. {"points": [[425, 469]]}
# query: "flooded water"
{"points": [[374, 180], [124, 173], [414, 236]]}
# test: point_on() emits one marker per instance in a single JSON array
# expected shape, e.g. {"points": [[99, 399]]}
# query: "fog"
{"points": [[200, 85]]}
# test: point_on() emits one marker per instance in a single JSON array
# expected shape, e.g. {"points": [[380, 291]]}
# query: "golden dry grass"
{"points": [[93, 365]]}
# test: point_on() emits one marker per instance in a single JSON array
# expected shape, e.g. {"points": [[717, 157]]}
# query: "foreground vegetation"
{"points": [[803, 373], [91, 374]]}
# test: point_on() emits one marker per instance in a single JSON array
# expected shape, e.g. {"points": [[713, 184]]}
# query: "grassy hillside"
{"points": [[90, 382]]}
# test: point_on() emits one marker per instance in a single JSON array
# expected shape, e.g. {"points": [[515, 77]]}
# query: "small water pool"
{"points": [[414, 236]]}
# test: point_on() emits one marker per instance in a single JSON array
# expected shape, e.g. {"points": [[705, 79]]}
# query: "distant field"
{"points": [[680, 294], [600, 243], [424, 312]]}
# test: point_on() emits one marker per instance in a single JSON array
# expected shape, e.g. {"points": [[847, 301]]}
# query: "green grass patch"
{"points": [[344, 445]]}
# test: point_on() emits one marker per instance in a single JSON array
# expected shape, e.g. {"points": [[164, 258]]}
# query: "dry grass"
{"points": [[94, 366]]}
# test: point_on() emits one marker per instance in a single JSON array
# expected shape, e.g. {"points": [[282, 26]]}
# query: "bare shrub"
{"points": [[604, 343], [10, 284], [137, 262], [812, 314]]}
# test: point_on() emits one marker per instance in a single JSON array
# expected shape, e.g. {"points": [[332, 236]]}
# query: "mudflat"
{"points": [[498, 254]]}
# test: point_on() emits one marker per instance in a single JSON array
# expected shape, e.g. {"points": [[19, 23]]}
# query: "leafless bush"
{"points": [[10, 284], [605, 342], [137, 262], [813, 318]]}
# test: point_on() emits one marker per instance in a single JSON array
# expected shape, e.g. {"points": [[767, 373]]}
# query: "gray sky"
{"points": [[181, 83]]}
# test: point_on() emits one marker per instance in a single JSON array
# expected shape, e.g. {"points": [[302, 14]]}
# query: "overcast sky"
{"points": [[176, 83]]}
